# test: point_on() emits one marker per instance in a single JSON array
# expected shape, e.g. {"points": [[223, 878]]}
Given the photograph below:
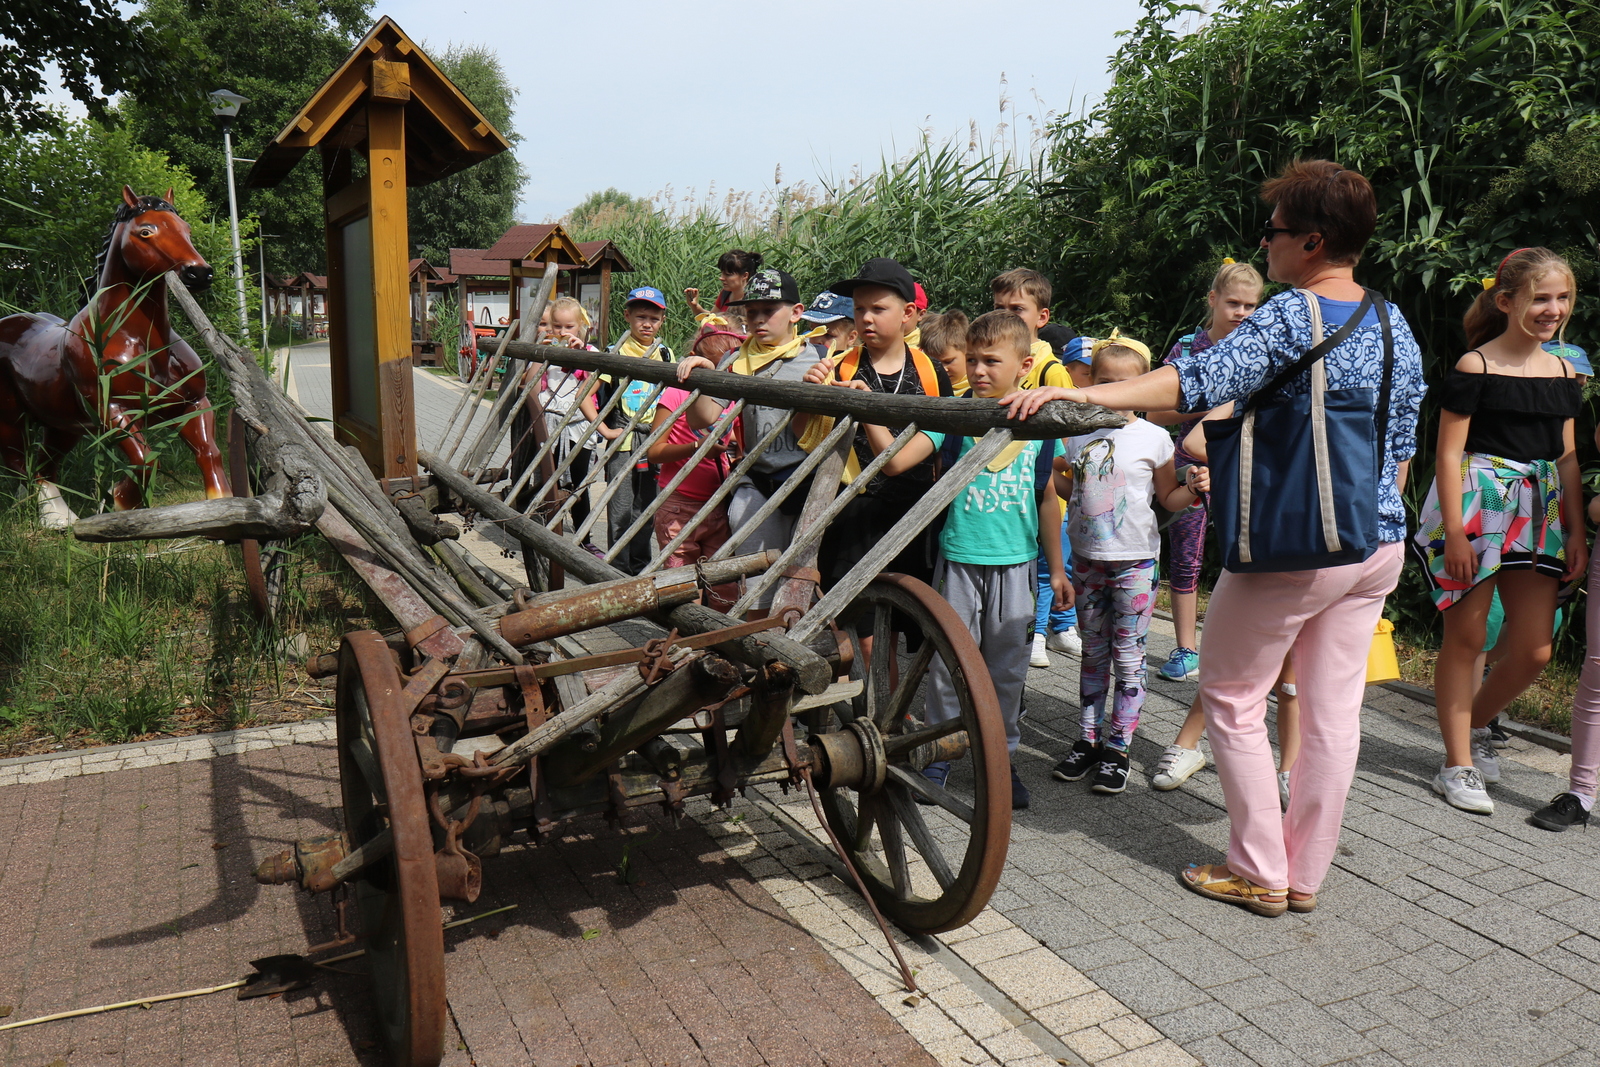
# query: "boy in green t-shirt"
{"points": [[992, 534]]}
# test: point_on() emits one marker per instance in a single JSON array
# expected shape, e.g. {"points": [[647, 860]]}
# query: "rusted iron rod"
{"points": [[969, 416]]}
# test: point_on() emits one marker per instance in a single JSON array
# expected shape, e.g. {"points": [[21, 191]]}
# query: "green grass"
{"points": [[109, 643]]}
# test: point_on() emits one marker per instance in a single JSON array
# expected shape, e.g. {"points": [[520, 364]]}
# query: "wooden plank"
{"points": [[386, 180], [391, 81]]}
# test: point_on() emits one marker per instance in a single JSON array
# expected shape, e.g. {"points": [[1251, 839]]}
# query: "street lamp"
{"points": [[225, 106], [265, 342]]}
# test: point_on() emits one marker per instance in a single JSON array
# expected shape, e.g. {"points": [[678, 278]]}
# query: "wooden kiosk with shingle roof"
{"points": [[531, 250], [390, 107]]}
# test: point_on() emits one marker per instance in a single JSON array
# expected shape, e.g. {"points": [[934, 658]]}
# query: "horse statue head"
{"points": [[148, 239]]}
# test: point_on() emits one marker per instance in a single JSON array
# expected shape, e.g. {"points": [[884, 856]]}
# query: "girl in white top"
{"points": [[1110, 479]]}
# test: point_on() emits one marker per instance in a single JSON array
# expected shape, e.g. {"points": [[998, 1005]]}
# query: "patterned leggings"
{"points": [[1115, 599]]}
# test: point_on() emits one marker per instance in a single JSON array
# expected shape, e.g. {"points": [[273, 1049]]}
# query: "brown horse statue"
{"points": [[115, 366]]}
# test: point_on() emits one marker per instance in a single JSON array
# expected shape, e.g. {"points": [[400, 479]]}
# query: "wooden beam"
{"points": [[386, 180], [969, 416]]}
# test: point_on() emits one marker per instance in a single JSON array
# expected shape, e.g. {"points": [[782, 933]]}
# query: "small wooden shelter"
{"points": [[391, 106], [530, 250]]}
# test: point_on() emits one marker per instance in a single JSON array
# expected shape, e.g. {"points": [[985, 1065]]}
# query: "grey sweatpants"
{"points": [[996, 603]]}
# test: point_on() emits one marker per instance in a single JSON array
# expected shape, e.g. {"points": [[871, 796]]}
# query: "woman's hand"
{"points": [[1577, 558], [1026, 402], [693, 296], [1460, 561], [692, 363]]}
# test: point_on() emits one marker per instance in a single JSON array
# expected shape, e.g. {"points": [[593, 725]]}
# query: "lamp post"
{"points": [[265, 341], [225, 106]]}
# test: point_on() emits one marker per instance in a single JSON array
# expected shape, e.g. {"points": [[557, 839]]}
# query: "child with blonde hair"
{"points": [[944, 337], [1505, 511], [1110, 479]]}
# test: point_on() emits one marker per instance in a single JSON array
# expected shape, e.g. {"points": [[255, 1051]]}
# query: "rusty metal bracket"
{"points": [[616, 797], [656, 663], [460, 872], [716, 741], [672, 804], [791, 755], [422, 682]]}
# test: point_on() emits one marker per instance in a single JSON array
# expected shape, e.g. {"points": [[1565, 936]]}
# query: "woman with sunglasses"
{"points": [[1322, 218]]}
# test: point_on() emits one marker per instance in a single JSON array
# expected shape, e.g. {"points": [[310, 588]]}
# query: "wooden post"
{"points": [[386, 182], [604, 340]]}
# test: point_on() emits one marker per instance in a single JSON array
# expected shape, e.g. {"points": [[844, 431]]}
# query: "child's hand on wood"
{"points": [[692, 363], [820, 372]]}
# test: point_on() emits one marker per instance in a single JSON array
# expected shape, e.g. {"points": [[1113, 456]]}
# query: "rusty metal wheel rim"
{"points": [[397, 900], [966, 887]]}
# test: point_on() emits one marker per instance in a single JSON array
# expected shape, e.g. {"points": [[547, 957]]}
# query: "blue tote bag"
{"points": [[1294, 479]]}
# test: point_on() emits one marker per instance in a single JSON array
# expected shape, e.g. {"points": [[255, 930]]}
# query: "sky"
{"points": [[643, 96]]}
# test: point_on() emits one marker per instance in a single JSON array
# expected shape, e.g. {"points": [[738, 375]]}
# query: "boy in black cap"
{"points": [[884, 362], [773, 349]]}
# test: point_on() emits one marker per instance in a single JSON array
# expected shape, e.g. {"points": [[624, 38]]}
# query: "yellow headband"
{"points": [[1116, 338]]}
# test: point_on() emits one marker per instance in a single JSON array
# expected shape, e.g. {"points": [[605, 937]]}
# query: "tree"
{"points": [[275, 53], [61, 190], [98, 52], [474, 207], [1476, 122], [606, 208]]}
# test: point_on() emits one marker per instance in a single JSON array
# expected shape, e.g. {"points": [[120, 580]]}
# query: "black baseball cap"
{"points": [[880, 271], [769, 283]]}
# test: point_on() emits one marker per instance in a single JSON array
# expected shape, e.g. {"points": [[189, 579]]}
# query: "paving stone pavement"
{"points": [[139, 882], [1440, 937]]}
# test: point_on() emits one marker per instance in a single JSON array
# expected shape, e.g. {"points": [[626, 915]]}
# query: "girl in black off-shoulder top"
{"points": [[1505, 511]]}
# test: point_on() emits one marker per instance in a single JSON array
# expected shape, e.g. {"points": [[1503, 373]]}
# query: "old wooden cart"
{"points": [[488, 721]]}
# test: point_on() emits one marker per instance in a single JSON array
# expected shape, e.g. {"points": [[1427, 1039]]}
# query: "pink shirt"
{"points": [[711, 471]]}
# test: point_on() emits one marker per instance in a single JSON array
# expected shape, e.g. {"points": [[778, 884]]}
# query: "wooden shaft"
{"points": [[970, 417]]}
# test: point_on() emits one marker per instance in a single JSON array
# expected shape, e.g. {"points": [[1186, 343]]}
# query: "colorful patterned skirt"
{"points": [[1511, 512]]}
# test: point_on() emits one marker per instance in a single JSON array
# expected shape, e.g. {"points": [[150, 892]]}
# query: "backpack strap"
{"points": [[1043, 468], [925, 370]]}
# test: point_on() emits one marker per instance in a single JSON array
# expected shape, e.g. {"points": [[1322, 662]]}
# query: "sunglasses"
{"points": [[1269, 231]]}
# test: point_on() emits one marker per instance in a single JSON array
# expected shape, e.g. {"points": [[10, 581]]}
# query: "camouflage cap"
{"points": [[769, 283]]}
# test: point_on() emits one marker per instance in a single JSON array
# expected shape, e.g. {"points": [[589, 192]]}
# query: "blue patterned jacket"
{"points": [[1277, 334]]}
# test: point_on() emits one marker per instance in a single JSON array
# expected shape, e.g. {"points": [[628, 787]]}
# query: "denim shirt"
{"points": [[1278, 334]]}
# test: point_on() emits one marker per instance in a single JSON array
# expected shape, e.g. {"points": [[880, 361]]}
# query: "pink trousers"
{"points": [[1327, 617], [1586, 702]]}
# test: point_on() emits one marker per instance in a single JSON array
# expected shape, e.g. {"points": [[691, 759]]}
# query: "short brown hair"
{"points": [[999, 328], [944, 331], [1028, 282], [1319, 196]]}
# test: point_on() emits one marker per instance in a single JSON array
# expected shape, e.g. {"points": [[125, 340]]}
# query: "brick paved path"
{"points": [[112, 889]]}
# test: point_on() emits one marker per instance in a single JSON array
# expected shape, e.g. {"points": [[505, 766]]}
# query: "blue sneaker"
{"points": [[1183, 664], [937, 772]]}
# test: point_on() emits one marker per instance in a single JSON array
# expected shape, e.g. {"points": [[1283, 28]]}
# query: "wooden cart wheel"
{"points": [[930, 868], [261, 584], [397, 899]]}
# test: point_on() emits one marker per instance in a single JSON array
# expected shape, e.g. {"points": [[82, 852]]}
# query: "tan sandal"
{"points": [[1303, 907], [1214, 880]]}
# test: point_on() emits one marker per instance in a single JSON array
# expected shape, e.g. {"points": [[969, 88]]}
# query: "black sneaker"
{"points": [[1497, 734], [1111, 774], [1019, 792], [937, 772], [1079, 762], [1564, 811]]}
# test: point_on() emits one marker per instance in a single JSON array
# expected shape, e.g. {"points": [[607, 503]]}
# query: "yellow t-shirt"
{"points": [[1047, 368]]}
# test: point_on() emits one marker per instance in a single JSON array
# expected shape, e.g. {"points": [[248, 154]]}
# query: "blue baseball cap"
{"points": [[647, 294], [829, 307], [1572, 354], [1077, 350]]}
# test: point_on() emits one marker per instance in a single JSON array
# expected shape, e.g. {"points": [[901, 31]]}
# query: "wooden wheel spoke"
{"points": [[942, 797], [361, 752], [901, 744], [878, 695], [895, 708], [894, 852], [906, 811], [864, 815]]}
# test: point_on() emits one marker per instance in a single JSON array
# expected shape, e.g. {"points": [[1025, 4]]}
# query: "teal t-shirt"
{"points": [[995, 520]]}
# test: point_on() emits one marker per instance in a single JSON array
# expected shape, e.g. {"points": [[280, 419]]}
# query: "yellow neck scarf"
{"points": [[914, 338], [753, 356], [630, 346]]}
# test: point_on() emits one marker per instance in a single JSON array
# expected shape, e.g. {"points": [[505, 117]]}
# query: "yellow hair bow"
{"points": [[1488, 283], [1227, 261], [1116, 338]]}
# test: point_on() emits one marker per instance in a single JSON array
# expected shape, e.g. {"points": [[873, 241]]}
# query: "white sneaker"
{"points": [[1283, 789], [1066, 641], [1038, 657], [1462, 787], [1484, 757], [1177, 766]]}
